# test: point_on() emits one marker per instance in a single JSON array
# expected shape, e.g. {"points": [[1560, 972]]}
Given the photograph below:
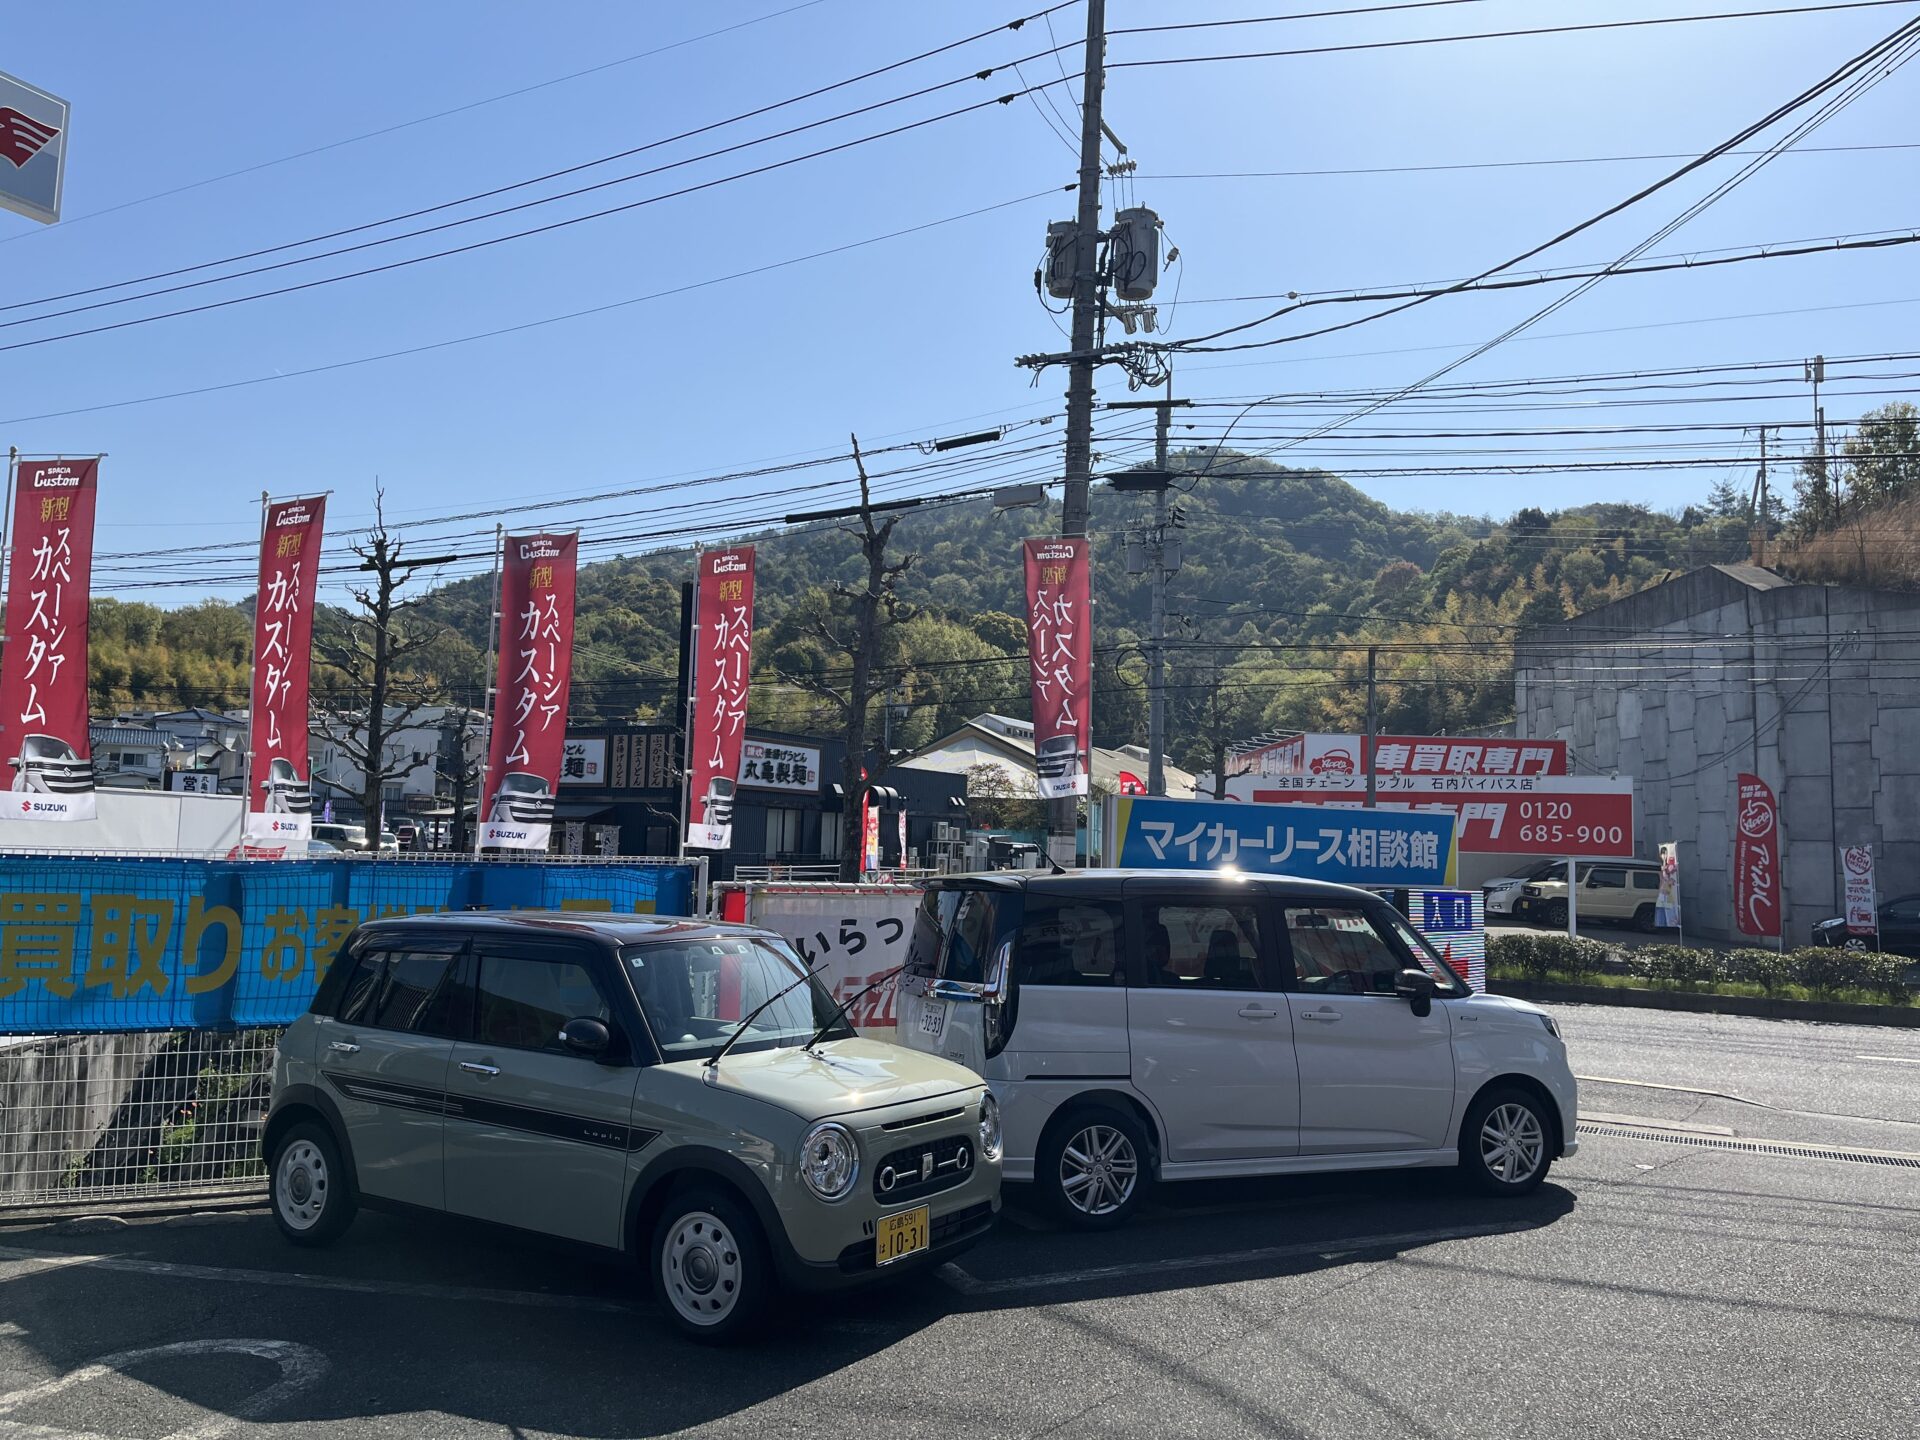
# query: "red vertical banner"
{"points": [[1756, 859], [43, 671], [722, 670], [279, 774], [530, 695], [1060, 647]]}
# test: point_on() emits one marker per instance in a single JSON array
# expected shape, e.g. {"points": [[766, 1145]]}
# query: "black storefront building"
{"points": [[620, 795]]}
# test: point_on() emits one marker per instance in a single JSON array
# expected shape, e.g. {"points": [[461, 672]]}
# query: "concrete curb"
{"points": [[1824, 1012]]}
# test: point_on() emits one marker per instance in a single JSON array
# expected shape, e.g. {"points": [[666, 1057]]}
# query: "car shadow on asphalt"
{"points": [[404, 1318]]}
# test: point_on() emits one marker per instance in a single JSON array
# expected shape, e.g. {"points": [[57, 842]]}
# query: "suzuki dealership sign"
{"points": [[1498, 814], [43, 671], [722, 671], [1367, 847], [33, 150]]}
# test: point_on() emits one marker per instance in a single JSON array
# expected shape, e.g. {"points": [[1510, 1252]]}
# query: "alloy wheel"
{"points": [[300, 1185], [1099, 1170], [1512, 1143], [700, 1267]]}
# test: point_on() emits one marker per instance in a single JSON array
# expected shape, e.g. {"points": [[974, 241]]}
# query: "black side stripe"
{"points": [[498, 1113]]}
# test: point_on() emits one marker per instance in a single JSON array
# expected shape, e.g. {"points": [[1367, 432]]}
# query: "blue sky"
{"points": [[912, 337]]}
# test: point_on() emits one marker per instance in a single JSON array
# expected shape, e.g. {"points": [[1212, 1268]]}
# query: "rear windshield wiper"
{"points": [[841, 1009], [759, 1010]]}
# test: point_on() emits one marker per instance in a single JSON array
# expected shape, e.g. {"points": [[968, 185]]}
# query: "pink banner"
{"points": [[530, 701], [43, 672], [1060, 650], [1756, 860]]}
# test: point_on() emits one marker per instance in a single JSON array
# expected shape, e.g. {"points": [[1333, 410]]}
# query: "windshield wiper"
{"points": [[759, 1010], [841, 1009]]}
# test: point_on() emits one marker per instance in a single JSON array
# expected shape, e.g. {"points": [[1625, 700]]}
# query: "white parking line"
{"points": [[1323, 1249], [1677, 1089], [33, 1262], [301, 1367], [1891, 1059]]}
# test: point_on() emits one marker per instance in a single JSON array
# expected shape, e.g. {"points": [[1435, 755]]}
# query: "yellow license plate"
{"points": [[898, 1236]]}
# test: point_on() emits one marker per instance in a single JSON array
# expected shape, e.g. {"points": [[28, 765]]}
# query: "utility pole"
{"points": [[1062, 813], [1163, 561], [1373, 655], [1760, 506], [1816, 373]]}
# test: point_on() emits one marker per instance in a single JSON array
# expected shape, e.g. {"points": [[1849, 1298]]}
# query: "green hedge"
{"points": [[1819, 969]]}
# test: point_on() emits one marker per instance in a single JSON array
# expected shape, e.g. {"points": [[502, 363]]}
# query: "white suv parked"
{"points": [[1141, 1026]]}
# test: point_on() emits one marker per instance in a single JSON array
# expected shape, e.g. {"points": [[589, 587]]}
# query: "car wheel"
{"points": [[711, 1268], [1643, 919], [1553, 915], [312, 1202], [1094, 1170], [1506, 1142]]}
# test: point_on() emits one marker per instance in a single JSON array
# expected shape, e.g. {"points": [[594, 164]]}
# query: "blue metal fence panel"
{"points": [[95, 944]]}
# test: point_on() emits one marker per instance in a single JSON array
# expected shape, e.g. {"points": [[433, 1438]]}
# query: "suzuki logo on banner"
{"points": [[1756, 862]]}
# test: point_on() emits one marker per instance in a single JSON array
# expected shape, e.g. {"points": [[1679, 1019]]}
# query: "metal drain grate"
{"points": [[1786, 1148]]}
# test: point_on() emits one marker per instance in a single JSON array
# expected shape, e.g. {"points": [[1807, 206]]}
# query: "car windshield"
{"points": [[696, 992]]}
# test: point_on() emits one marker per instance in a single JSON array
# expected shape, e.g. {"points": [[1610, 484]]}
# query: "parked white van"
{"points": [[1151, 1026]]}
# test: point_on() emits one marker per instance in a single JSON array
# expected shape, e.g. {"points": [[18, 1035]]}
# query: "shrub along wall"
{"points": [[1818, 969]]}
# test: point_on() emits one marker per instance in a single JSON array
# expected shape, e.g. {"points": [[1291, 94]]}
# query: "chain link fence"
{"points": [[147, 1115]]}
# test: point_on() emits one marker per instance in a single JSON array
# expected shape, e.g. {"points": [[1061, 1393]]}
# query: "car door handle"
{"points": [[1254, 1012], [345, 1047], [473, 1069], [1321, 1015]]}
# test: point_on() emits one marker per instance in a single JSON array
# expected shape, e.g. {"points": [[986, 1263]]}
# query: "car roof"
{"points": [[1114, 881], [597, 925]]}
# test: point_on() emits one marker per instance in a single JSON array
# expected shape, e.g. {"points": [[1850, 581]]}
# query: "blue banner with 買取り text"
{"points": [[92, 943]]}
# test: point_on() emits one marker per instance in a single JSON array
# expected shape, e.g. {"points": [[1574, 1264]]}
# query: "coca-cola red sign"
{"points": [[1756, 859]]}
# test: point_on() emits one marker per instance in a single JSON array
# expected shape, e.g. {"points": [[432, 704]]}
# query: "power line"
{"points": [[1498, 164]]}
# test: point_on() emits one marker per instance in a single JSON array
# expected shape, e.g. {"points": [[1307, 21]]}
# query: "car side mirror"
{"points": [[586, 1037], [1416, 987]]}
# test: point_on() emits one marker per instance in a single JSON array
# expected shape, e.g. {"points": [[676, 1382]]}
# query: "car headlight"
{"points": [[1533, 890], [990, 1138], [829, 1160], [1553, 1026]]}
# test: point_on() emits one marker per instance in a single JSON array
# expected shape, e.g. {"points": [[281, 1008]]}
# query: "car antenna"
{"points": [[1053, 866]]}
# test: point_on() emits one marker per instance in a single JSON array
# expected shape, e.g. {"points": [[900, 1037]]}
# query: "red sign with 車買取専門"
{"points": [[722, 671], [279, 791], [43, 670], [1756, 857], [1060, 660], [530, 701]]}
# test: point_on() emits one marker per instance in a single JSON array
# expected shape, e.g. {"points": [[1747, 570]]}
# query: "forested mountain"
{"points": [[1288, 575]]}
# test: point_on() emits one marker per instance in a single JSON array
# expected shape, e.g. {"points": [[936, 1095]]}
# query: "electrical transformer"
{"points": [[1136, 253]]}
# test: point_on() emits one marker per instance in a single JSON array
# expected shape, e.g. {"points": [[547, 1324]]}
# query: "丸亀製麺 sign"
{"points": [[1349, 847], [771, 765], [584, 762]]}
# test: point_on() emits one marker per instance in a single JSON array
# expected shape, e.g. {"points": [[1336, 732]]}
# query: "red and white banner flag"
{"points": [[279, 774], [1863, 912], [1756, 859], [530, 696], [43, 672], [722, 671], [1060, 651]]}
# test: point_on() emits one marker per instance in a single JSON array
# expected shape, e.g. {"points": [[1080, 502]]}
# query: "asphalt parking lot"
{"points": [[1668, 1281]]}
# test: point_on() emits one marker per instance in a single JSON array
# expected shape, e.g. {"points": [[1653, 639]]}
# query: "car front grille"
{"points": [[916, 1171], [945, 1230]]}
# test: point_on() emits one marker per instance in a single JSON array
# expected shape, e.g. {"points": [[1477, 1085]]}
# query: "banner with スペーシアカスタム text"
{"points": [[161, 944], [722, 671], [1060, 663], [279, 775], [44, 740], [537, 575]]}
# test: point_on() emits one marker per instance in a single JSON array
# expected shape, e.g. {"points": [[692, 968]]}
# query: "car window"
{"points": [[1203, 947], [1068, 942], [1646, 879], [696, 993], [1903, 910], [523, 1002], [1607, 878], [1336, 951], [969, 937], [391, 990]]}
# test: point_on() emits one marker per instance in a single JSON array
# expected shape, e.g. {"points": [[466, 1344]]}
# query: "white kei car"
{"points": [[1155, 1026]]}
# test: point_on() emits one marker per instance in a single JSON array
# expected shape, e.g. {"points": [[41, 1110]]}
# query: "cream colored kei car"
{"points": [[679, 1092]]}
